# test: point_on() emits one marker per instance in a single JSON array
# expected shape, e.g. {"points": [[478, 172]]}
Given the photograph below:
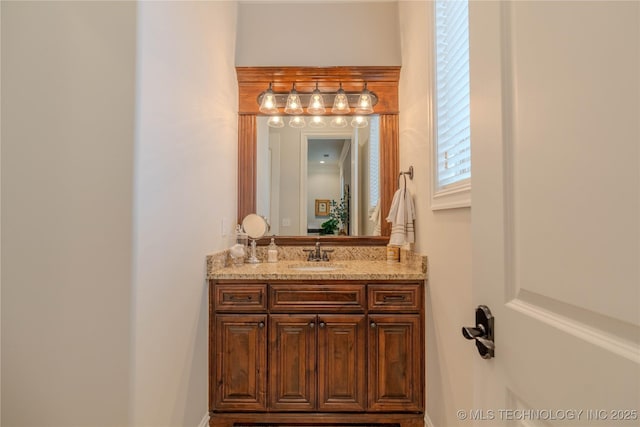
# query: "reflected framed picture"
{"points": [[322, 207]]}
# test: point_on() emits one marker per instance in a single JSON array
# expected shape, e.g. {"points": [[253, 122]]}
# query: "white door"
{"points": [[555, 143]]}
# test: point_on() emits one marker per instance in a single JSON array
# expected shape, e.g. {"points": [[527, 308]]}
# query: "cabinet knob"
{"points": [[312, 325], [261, 325], [322, 324], [372, 324]]}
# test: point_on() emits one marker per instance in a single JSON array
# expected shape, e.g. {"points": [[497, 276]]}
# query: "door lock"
{"points": [[482, 333]]}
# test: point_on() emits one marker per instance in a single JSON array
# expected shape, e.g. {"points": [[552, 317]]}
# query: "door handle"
{"points": [[482, 333]]}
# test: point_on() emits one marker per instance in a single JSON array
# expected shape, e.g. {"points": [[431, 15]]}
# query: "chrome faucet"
{"points": [[318, 254]]}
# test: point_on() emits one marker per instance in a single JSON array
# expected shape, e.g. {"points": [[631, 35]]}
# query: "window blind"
{"points": [[453, 127]]}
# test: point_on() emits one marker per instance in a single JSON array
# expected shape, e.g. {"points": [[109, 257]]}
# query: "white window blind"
{"points": [[452, 119]]}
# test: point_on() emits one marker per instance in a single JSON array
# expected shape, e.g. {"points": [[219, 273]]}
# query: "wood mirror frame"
{"points": [[381, 80]]}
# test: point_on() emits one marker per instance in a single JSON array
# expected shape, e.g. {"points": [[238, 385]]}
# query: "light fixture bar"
{"points": [[353, 98]]}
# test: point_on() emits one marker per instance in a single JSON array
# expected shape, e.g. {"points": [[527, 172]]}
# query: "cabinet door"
{"points": [[292, 362], [341, 362], [395, 363], [240, 362]]}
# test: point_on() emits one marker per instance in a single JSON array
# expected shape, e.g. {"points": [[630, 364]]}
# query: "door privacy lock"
{"points": [[482, 333]]}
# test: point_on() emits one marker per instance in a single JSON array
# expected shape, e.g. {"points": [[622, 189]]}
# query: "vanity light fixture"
{"points": [[269, 103], [275, 122], [338, 122], [316, 102], [294, 101], [297, 122], [340, 102], [359, 122], [317, 122], [294, 106]]}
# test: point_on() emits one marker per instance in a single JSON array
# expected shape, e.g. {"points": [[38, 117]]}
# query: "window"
{"points": [[452, 142]]}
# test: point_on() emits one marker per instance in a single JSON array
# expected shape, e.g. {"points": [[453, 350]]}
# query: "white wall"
{"points": [[185, 188], [68, 76], [322, 183], [289, 180], [318, 34], [445, 236]]}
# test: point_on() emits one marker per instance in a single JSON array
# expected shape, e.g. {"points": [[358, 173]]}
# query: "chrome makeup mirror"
{"points": [[256, 227]]}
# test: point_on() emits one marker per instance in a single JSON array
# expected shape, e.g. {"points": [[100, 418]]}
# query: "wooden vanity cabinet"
{"points": [[395, 363], [396, 350], [317, 362], [345, 352], [238, 347], [240, 374]]}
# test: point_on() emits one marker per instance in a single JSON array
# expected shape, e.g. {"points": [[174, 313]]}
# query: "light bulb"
{"points": [[338, 122], [293, 102], [275, 122], [340, 102], [317, 122], [364, 102], [359, 122], [268, 104], [297, 122], [316, 103]]}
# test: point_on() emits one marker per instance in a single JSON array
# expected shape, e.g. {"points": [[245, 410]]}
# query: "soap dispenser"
{"points": [[272, 251], [242, 238]]}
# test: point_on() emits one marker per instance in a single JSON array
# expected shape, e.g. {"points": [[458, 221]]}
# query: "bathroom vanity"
{"points": [[291, 344], [294, 343]]}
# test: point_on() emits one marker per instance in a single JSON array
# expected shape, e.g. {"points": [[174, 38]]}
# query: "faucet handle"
{"points": [[310, 252], [325, 254]]}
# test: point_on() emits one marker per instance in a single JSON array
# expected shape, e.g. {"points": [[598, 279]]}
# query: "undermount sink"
{"points": [[316, 267]]}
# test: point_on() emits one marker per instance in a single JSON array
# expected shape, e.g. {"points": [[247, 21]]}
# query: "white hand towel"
{"points": [[402, 216]]}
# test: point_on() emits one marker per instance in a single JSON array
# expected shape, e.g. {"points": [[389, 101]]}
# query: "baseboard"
{"points": [[205, 421], [427, 420]]}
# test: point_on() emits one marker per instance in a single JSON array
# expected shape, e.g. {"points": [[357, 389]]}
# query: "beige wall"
{"points": [[185, 189], [98, 156], [68, 97], [445, 236], [318, 34], [322, 183]]}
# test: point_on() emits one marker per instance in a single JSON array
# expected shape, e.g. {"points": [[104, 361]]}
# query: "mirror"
{"points": [[319, 181], [252, 81], [256, 227]]}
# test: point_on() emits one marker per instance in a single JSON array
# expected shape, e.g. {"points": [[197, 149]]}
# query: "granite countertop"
{"points": [[348, 270]]}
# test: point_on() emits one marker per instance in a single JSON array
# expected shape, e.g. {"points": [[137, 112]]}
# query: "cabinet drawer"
{"points": [[241, 297], [400, 297], [301, 297]]}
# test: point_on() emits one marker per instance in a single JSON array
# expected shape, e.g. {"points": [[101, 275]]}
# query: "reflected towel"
{"points": [[402, 216], [376, 217]]}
